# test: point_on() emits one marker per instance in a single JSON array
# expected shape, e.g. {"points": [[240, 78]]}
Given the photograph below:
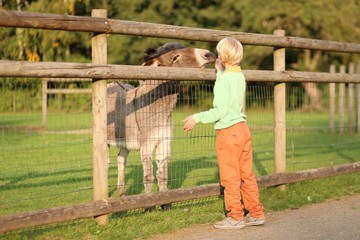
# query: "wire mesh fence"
{"points": [[42, 168]]}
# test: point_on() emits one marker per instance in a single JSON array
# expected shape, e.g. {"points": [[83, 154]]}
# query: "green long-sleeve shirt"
{"points": [[229, 92]]}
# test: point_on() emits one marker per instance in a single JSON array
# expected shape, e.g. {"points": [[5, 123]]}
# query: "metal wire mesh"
{"points": [[42, 168], [47, 167]]}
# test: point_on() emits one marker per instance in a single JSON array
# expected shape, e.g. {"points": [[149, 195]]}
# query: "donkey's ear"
{"points": [[176, 57], [149, 54], [150, 51]]}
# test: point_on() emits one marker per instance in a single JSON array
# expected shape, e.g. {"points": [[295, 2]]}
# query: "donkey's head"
{"points": [[176, 55]]}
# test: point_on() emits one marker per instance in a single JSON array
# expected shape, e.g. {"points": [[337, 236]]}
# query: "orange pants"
{"points": [[234, 153]]}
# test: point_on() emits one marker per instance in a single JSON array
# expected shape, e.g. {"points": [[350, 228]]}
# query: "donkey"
{"points": [[139, 118]]}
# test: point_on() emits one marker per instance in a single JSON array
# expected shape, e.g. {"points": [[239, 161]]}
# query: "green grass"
{"points": [[39, 171]]}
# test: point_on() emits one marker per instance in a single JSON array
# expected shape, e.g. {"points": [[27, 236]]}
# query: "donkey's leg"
{"points": [[162, 156], [146, 160], [163, 153], [121, 161]]}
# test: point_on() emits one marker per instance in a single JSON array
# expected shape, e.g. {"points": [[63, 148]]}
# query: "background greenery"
{"points": [[322, 19]]}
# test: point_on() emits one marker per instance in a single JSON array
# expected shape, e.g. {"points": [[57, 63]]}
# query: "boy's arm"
{"points": [[220, 103]]}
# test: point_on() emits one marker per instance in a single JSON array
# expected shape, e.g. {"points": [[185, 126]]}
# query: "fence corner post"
{"points": [[100, 148], [280, 112]]}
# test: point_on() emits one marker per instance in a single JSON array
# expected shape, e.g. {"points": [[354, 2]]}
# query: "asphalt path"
{"points": [[336, 219]]}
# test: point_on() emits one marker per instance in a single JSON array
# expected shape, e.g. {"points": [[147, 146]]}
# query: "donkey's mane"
{"points": [[152, 53]]}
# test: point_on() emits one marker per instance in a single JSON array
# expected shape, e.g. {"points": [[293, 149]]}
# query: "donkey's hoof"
{"points": [[166, 207], [149, 209]]}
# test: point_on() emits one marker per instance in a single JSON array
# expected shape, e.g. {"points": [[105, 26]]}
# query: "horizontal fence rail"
{"points": [[100, 207], [108, 71], [68, 91], [113, 26]]}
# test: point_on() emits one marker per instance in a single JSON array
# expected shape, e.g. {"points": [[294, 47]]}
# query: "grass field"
{"points": [[40, 170]]}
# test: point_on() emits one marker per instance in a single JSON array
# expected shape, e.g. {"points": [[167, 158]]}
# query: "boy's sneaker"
{"points": [[230, 223], [250, 221]]}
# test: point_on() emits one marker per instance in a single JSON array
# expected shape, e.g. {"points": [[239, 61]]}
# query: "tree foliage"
{"points": [[321, 19]]}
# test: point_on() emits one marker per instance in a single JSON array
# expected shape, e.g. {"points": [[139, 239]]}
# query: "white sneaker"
{"points": [[250, 221], [230, 223]]}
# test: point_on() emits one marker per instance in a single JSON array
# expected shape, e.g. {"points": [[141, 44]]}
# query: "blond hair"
{"points": [[230, 51]]}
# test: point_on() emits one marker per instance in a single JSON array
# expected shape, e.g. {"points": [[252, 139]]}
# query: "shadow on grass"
{"points": [[16, 181], [179, 172]]}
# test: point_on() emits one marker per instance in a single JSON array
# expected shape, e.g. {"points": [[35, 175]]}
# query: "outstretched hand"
{"points": [[189, 123], [219, 65]]}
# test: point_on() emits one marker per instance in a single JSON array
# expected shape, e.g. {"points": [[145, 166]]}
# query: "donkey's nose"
{"points": [[209, 56], [204, 57]]}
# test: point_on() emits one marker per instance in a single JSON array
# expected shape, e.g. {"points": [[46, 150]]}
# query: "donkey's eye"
{"points": [[176, 58]]}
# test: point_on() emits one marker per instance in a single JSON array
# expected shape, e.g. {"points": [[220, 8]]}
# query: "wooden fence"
{"points": [[353, 90], [99, 70], [46, 91]]}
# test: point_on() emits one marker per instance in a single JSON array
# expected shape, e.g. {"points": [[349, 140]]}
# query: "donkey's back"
{"points": [[139, 115]]}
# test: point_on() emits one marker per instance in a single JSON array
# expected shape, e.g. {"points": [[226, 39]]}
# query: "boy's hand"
{"points": [[218, 65], [189, 123]]}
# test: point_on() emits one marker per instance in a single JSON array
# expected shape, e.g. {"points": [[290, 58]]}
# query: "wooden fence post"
{"points": [[332, 97], [44, 104], [280, 111], [100, 149], [358, 101], [351, 100], [342, 102]]}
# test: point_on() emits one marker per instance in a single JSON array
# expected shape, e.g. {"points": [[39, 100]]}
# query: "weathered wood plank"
{"points": [[113, 26], [306, 175], [279, 112], [103, 71], [68, 91], [101, 207], [99, 115]]}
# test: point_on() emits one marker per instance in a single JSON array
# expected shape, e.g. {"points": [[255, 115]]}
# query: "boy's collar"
{"points": [[233, 69]]}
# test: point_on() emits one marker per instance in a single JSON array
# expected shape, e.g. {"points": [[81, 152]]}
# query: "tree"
{"points": [[46, 45], [328, 20], [321, 19]]}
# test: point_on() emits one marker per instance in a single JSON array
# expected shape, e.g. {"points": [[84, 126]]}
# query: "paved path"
{"points": [[336, 219]]}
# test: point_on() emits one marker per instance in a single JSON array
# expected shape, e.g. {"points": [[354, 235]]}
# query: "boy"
{"points": [[233, 141]]}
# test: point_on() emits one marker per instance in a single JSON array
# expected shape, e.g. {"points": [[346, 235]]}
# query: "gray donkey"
{"points": [[140, 118]]}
